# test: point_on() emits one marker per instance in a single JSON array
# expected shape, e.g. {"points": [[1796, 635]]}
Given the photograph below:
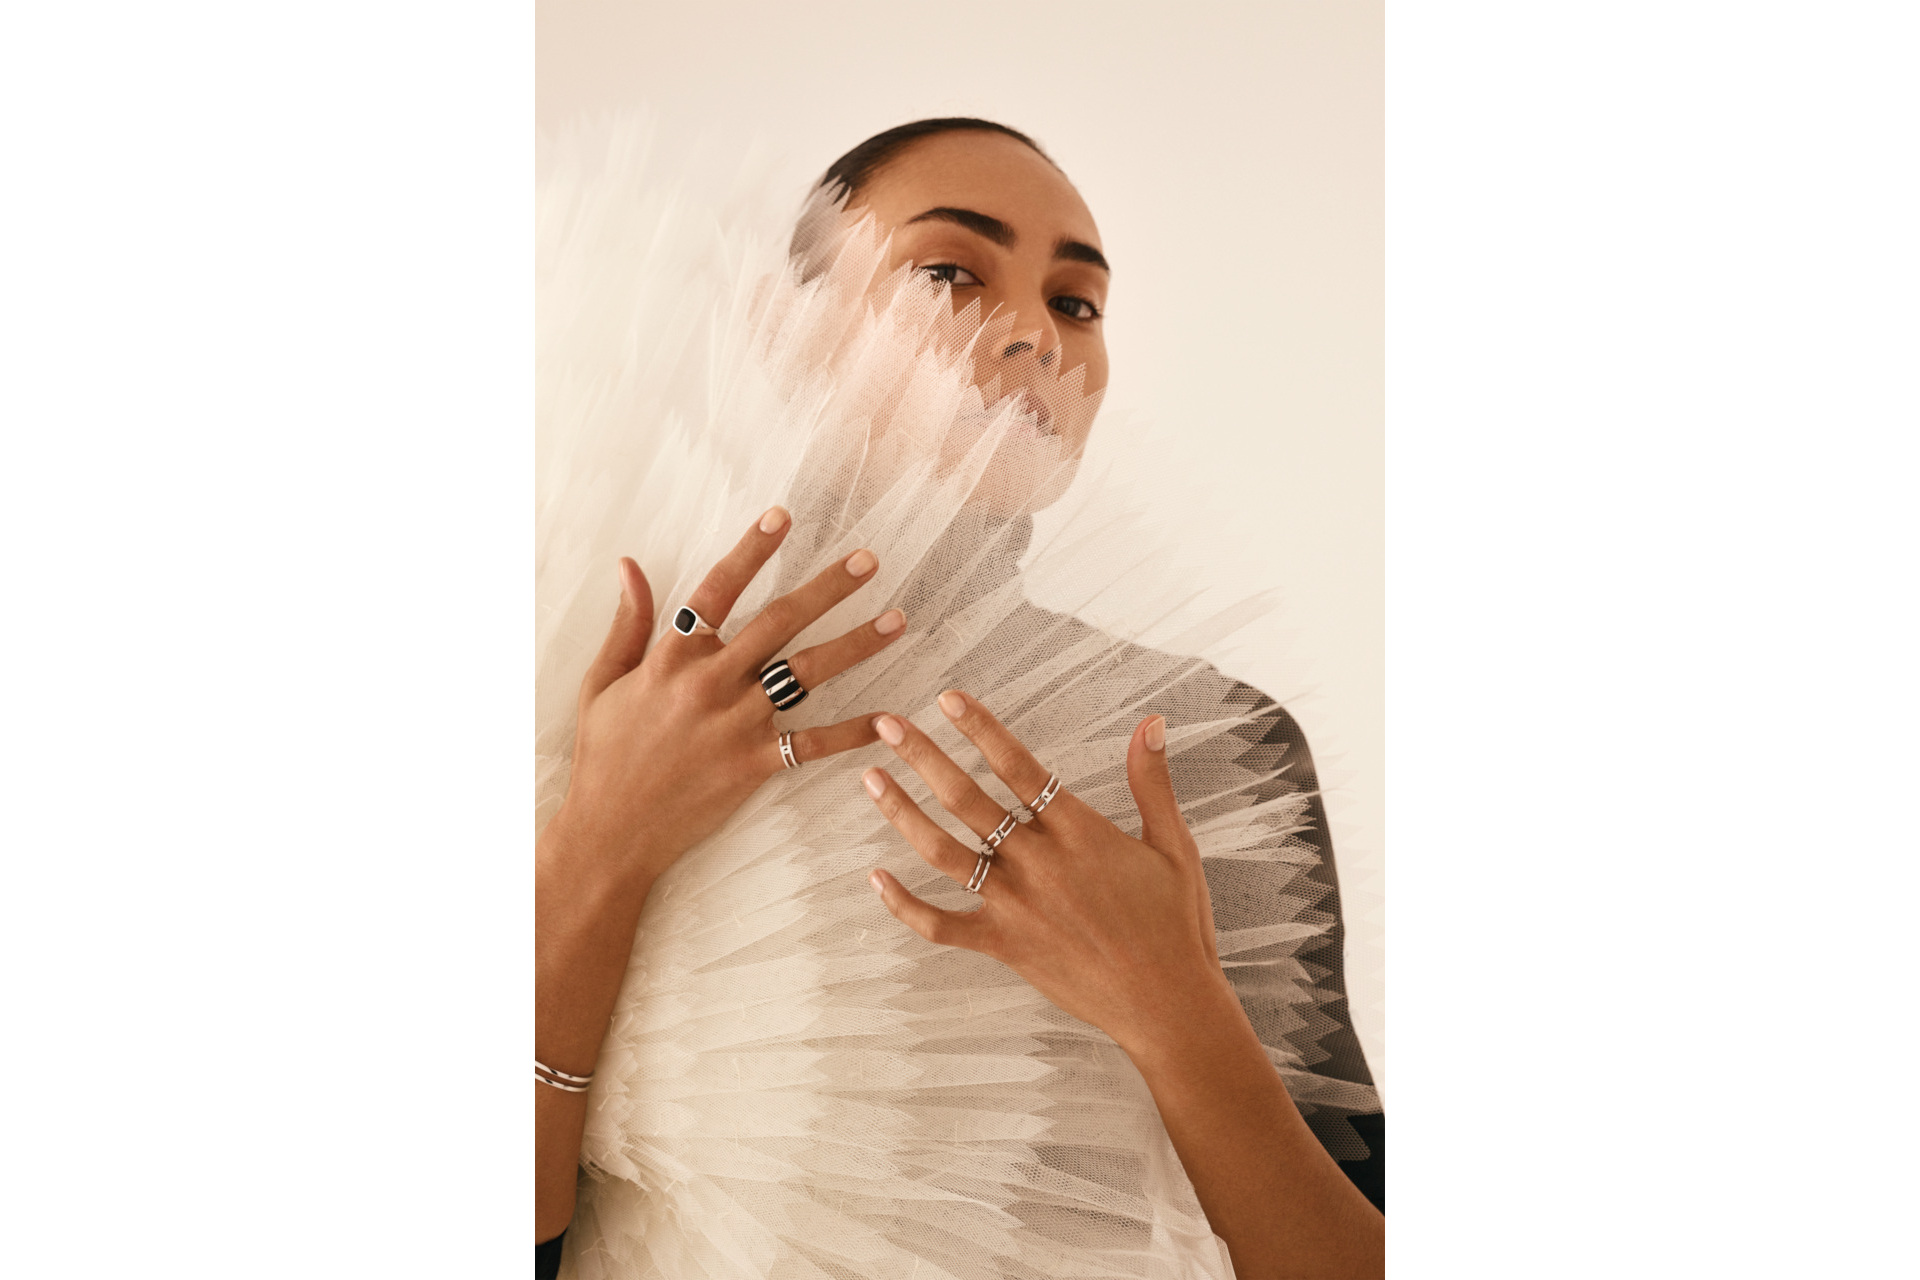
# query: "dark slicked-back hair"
{"points": [[853, 170], [844, 177]]}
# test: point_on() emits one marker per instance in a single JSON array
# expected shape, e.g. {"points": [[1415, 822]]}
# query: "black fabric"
{"points": [[1370, 1175], [546, 1258]]}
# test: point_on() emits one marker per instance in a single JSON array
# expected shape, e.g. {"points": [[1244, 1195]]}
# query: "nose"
{"points": [[1046, 336], [1046, 357]]}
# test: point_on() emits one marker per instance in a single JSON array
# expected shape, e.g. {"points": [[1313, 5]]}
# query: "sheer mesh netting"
{"points": [[794, 1084]]}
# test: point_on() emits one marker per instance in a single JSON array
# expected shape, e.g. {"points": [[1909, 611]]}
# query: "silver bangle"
{"points": [[559, 1079]]}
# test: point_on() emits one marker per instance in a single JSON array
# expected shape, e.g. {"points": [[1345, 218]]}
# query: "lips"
{"points": [[1026, 401]]}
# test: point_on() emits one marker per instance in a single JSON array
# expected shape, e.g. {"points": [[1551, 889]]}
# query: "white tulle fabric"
{"points": [[794, 1084]]}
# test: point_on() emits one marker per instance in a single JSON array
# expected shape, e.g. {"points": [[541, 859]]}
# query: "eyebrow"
{"points": [[978, 223], [1079, 251], [1003, 235]]}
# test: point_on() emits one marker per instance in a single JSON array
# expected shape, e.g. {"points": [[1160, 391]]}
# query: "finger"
{"points": [[825, 740], [1161, 823], [799, 609], [1005, 754], [941, 851], [714, 598], [957, 793], [626, 641], [940, 927], [814, 667]]}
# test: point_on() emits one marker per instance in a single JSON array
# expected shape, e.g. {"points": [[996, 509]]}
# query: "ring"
{"points": [[686, 622], [782, 686], [990, 843], [980, 869], [1041, 801], [786, 751]]}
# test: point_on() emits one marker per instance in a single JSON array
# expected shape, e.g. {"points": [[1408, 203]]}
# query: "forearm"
{"points": [[1269, 1189], [587, 906]]}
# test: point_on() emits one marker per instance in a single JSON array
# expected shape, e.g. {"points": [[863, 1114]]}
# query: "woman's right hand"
{"points": [[671, 742]]}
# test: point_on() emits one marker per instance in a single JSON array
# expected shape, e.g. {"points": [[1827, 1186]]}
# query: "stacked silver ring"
{"points": [[988, 847], [1028, 812], [787, 757], [782, 686]]}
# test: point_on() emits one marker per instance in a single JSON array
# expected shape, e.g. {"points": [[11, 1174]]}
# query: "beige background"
{"points": [[1232, 155]]}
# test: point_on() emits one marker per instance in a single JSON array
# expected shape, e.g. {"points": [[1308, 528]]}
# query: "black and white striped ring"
{"points": [[781, 685]]}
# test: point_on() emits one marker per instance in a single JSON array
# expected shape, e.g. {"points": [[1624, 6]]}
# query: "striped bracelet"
{"points": [[559, 1079]]}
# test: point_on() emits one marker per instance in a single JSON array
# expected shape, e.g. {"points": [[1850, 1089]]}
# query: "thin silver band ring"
{"points": [[980, 869], [990, 843], [1028, 812], [787, 758]]}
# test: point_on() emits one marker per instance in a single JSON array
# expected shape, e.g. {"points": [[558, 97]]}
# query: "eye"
{"points": [[1074, 308], [950, 273]]}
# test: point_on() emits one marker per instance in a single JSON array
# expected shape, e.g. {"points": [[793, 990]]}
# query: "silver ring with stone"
{"points": [[687, 622]]}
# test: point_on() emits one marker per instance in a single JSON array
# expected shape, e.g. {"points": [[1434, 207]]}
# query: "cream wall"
{"points": [[1232, 155]]}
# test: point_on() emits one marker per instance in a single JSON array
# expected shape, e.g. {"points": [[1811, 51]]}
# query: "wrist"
{"points": [[1204, 1026], [577, 848]]}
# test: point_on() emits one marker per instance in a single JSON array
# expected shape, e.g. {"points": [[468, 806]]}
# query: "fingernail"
{"points": [[890, 732], [620, 573], [889, 622], [876, 782], [953, 704], [879, 885], [861, 563], [1157, 734], [774, 521]]}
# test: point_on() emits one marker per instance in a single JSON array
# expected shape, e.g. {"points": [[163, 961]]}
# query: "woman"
{"points": [[793, 1091]]}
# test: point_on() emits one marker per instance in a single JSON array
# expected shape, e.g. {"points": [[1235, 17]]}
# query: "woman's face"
{"points": [[986, 214]]}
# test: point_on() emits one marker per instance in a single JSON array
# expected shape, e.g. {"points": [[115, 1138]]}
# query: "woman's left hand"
{"points": [[1116, 931]]}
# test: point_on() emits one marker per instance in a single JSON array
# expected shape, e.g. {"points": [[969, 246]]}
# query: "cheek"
{"points": [[1092, 352]]}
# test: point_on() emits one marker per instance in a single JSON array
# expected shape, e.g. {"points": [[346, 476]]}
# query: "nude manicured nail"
{"points": [[953, 704], [876, 782], [890, 732], [889, 622], [861, 563], [879, 885], [774, 521], [1157, 734]]}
